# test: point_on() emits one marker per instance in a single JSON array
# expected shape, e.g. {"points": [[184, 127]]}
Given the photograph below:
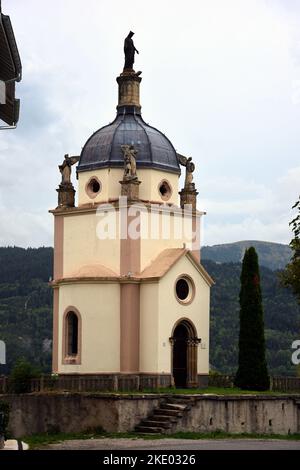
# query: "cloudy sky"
{"points": [[220, 79]]}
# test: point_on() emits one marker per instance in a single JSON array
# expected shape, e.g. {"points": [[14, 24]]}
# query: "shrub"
{"points": [[4, 418], [21, 375]]}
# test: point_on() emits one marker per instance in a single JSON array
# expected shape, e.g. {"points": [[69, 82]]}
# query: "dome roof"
{"points": [[103, 148]]}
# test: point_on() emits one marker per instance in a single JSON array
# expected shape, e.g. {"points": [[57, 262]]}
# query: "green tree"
{"points": [[252, 371], [21, 374], [291, 274]]}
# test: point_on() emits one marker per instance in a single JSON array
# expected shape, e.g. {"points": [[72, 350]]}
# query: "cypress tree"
{"points": [[252, 372]]}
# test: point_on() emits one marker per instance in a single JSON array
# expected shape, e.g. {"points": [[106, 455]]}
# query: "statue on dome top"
{"points": [[129, 51]]}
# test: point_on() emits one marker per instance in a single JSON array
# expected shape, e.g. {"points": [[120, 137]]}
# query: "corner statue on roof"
{"points": [[66, 167], [129, 161], [189, 167], [129, 51]]}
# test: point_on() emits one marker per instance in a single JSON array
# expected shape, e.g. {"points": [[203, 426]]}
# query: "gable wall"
{"points": [[170, 311]]}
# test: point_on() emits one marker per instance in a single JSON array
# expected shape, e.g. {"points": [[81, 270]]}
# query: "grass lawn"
{"points": [[39, 440], [208, 390], [178, 391]]}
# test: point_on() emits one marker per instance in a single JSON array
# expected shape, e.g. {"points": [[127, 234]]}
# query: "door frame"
{"points": [[192, 352]]}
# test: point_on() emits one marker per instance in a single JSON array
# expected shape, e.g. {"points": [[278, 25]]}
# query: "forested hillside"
{"points": [[26, 312], [26, 305], [282, 319]]}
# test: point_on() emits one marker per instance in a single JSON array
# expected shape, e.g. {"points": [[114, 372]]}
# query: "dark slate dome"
{"points": [[103, 148]]}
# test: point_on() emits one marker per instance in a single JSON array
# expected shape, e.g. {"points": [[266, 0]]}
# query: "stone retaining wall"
{"points": [[78, 412], [69, 413], [243, 414]]}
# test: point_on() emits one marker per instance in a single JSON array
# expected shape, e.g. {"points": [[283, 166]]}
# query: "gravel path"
{"points": [[176, 444]]}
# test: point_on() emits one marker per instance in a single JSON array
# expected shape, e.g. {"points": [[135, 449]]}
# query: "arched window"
{"points": [[72, 337], [72, 334]]}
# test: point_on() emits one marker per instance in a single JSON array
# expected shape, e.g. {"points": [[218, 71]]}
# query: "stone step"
{"points": [[180, 400], [173, 406], [153, 423], [168, 412], [185, 405], [163, 417], [149, 429]]}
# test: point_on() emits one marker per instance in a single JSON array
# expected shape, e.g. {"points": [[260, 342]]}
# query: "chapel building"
{"points": [[130, 294]]}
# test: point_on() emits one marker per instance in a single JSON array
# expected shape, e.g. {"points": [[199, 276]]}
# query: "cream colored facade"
{"points": [[163, 229], [82, 246], [90, 282], [92, 270], [99, 307], [160, 311], [110, 178]]}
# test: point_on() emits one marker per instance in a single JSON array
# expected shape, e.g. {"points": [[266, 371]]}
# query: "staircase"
{"points": [[164, 418]]}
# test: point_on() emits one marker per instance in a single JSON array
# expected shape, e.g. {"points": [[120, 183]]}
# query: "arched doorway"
{"points": [[184, 354]]}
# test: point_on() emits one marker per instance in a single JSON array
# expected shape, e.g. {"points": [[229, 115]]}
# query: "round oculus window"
{"points": [[93, 187], [164, 190], [184, 289]]}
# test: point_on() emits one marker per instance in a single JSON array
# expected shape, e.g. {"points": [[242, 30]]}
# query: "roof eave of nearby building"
{"points": [[10, 46]]}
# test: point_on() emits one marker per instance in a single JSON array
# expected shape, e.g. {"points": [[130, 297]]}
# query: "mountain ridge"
{"points": [[272, 255]]}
